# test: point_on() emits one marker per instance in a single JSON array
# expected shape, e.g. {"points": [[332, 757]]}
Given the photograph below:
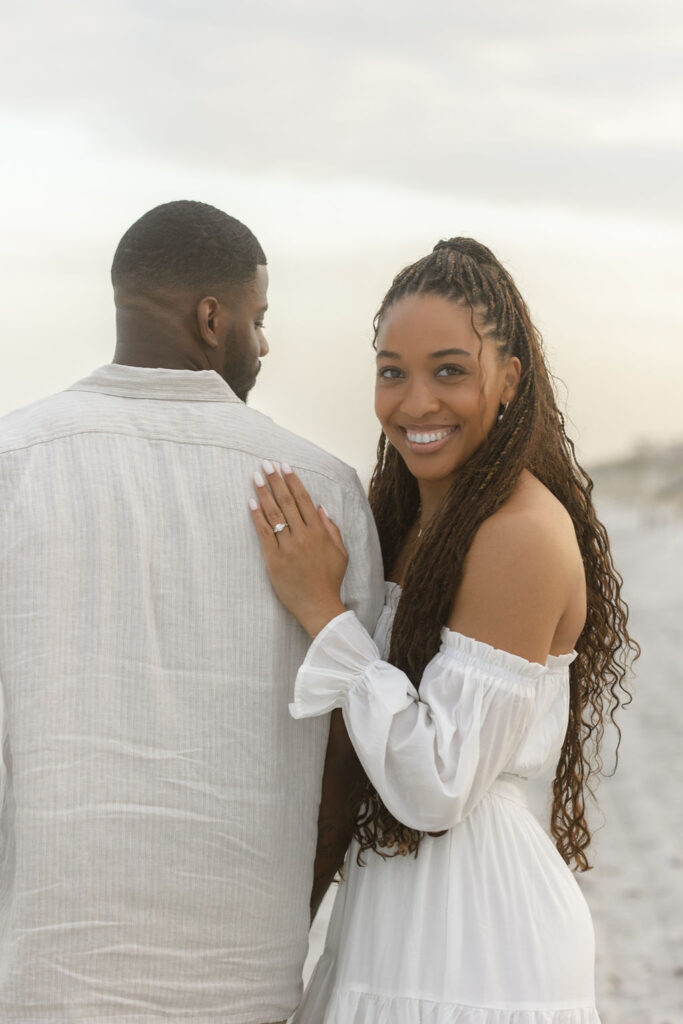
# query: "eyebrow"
{"points": [[449, 352], [384, 354]]}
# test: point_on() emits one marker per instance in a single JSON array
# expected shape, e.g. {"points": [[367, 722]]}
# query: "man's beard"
{"points": [[239, 376]]}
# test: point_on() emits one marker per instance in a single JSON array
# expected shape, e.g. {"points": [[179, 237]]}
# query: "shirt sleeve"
{"points": [[431, 756]]}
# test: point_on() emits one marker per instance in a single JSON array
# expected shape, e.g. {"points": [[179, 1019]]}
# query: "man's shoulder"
{"points": [[231, 425], [270, 440], [40, 421]]}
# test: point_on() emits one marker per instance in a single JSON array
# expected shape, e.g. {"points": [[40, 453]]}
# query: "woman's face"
{"points": [[439, 385]]}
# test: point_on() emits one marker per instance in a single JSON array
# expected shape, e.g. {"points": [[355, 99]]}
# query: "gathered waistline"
{"points": [[511, 787]]}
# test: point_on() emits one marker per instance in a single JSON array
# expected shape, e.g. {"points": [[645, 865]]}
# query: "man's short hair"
{"points": [[185, 244]]}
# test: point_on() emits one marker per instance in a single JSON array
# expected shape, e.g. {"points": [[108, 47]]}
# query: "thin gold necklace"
{"points": [[420, 529]]}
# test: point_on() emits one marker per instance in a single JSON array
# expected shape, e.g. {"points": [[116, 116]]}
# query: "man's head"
{"points": [[190, 285]]}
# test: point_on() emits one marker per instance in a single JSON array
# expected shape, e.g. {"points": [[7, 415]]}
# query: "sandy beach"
{"points": [[635, 889]]}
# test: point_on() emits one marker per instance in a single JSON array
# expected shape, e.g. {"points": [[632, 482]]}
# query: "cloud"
{"points": [[579, 106]]}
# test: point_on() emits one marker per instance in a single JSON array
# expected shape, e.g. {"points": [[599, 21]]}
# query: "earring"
{"points": [[502, 409]]}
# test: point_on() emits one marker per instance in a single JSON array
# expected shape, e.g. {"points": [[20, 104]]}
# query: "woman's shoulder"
{"points": [[532, 518], [519, 573]]}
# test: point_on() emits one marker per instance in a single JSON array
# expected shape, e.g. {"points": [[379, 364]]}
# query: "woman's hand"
{"points": [[306, 560]]}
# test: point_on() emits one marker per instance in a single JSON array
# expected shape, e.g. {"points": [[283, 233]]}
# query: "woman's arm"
{"points": [[434, 755]]}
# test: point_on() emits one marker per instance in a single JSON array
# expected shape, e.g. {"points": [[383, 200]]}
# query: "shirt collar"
{"points": [[157, 383]]}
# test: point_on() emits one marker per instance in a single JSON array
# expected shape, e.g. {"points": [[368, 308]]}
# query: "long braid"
{"points": [[531, 436]]}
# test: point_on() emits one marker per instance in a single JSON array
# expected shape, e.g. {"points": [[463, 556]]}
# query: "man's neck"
{"points": [[156, 356], [156, 341]]}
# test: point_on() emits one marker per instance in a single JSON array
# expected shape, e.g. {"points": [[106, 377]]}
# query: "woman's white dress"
{"points": [[487, 925]]}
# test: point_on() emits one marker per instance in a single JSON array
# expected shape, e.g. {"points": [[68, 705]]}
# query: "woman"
{"points": [[501, 650]]}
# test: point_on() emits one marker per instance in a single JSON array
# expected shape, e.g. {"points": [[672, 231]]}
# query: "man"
{"points": [[160, 806]]}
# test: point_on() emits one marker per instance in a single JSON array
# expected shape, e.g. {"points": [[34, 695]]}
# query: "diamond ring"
{"points": [[279, 527]]}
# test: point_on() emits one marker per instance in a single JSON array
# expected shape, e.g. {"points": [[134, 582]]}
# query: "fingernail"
{"points": [[260, 482], [286, 468], [325, 512], [253, 504], [268, 466]]}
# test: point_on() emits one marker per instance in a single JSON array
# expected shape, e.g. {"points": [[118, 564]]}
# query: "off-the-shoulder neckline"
{"points": [[453, 639]]}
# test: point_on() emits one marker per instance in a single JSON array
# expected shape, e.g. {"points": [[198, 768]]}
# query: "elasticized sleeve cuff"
{"points": [[340, 654]]}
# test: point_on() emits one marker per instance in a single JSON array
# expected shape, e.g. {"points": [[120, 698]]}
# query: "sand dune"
{"points": [[650, 479], [635, 889]]}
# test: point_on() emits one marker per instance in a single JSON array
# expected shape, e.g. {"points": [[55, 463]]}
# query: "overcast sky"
{"points": [[351, 136]]}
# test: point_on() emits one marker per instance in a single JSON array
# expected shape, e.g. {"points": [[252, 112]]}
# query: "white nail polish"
{"points": [[253, 504], [260, 482], [286, 468], [268, 466], [325, 512]]}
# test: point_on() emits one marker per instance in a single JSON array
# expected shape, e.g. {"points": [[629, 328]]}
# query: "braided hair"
{"points": [[531, 435]]}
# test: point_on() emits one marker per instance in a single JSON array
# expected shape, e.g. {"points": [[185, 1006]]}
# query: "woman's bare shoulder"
{"points": [[532, 516], [519, 574]]}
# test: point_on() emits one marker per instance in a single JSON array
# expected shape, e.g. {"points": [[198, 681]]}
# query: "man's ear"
{"points": [[208, 310], [513, 372]]}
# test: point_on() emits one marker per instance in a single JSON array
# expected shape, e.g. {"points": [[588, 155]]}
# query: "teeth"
{"points": [[437, 435]]}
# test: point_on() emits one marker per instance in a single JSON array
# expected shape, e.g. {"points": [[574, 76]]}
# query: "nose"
{"points": [[419, 399], [264, 347]]}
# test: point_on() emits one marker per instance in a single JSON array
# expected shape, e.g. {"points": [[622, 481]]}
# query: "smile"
{"points": [[428, 440], [424, 438]]}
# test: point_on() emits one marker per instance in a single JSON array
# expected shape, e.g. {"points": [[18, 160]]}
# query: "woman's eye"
{"points": [[449, 371], [389, 373]]}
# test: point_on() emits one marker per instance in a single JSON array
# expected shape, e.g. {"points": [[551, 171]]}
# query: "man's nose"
{"points": [[264, 347]]}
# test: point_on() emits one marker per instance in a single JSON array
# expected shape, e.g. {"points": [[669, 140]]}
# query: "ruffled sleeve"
{"points": [[431, 756]]}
